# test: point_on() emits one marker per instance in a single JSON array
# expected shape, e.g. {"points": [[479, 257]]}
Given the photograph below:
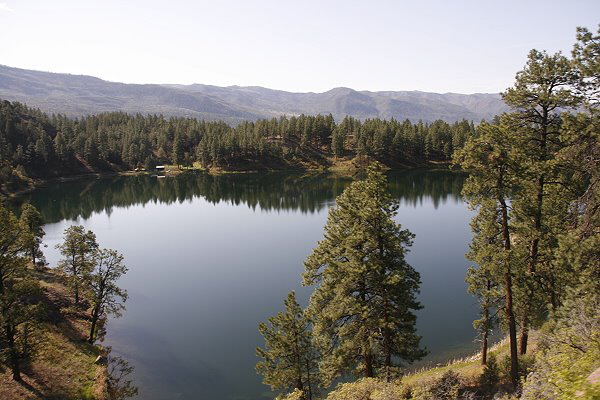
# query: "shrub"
{"points": [[368, 389], [447, 387], [489, 379]]}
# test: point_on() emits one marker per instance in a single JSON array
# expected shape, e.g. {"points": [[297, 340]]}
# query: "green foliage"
{"points": [[45, 146], [447, 387], [490, 158], [289, 359], [20, 315], [569, 349], [547, 165], [105, 297], [295, 395], [78, 249], [490, 377], [19, 293], [368, 389], [363, 304], [586, 59], [34, 221]]}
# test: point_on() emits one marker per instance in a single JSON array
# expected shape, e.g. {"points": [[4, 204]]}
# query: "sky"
{"points": [[301, 46]]}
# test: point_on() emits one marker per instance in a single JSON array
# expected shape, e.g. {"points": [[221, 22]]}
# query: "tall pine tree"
{"points": [[363, 305]]}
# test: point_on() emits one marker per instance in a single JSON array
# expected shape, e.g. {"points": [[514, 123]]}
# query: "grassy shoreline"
{"points": [[341, 167]]}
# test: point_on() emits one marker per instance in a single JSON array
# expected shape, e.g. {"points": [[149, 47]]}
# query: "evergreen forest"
{"points": [[34, 145], [533, 185]]}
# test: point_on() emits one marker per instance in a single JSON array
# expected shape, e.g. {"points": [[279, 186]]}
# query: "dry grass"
{"points": [[64, 367], [469, 368]]}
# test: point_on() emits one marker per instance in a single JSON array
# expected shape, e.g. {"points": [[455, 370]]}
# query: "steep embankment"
{"points": [[64, 367]]}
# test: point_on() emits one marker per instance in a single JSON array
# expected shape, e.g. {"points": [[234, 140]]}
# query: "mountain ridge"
{"points": [[78, 95]]}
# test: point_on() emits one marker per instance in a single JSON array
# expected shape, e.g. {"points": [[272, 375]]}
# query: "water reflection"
{"points": [[308, 193], [119, 383], [212, 256]]}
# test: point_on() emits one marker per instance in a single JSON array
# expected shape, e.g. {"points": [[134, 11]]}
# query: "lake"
{"points": [[210, 257]]}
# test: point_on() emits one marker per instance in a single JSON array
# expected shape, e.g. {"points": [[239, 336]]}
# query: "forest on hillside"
{"points": [[36, 145]]}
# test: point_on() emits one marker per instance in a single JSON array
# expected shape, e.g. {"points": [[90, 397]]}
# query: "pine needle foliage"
{"points": [[363, 305]]}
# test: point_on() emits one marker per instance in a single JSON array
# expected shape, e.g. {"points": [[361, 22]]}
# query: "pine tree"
{"points": [[289, 357], [78, 250], [541, 89], [106, 297], [178, 149], [491, 160], [32, 218], [19, 309], [366, 294]]}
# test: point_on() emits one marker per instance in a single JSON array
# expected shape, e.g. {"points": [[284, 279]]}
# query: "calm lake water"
{"points": [[210, 257]]}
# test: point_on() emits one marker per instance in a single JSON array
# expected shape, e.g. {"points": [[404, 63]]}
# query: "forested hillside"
{"points": [[36, 145]]}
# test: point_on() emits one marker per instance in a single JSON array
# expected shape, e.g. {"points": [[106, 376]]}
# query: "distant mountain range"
{"points": [[76, 95]]}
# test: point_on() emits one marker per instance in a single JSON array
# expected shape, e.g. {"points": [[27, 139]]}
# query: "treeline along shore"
{"points": [[35, 146]]}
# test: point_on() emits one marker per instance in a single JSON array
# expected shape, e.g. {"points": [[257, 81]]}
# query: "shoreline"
{"points": [[174, 171]]}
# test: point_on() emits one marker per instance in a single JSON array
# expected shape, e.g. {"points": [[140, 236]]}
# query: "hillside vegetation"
{"points": [[64, 367], [36, 146]]}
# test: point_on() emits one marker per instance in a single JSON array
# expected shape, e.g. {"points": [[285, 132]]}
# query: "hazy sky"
{"points": [[438, 46]]}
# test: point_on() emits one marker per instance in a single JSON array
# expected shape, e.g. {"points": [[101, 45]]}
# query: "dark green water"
{"points": [[210, 257]]}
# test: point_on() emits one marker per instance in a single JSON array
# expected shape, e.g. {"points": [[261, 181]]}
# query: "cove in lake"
{"points": [[210, 257]]}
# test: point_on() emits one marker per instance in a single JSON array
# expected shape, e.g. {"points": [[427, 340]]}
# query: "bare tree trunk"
{"points": [[512, 331], [531, 265], [510, 316], [484, 348], [524, 334], [486, 315], [95, 316]]}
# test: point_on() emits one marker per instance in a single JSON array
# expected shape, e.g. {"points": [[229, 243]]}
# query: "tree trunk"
{"points": [[388, 355], [531, 265], [33, 250], [13, 356], [95, 315], [486, 315], [510, 316], [368, 365], [524, 335], [512, 331], [484, 348], [534, 244]]}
